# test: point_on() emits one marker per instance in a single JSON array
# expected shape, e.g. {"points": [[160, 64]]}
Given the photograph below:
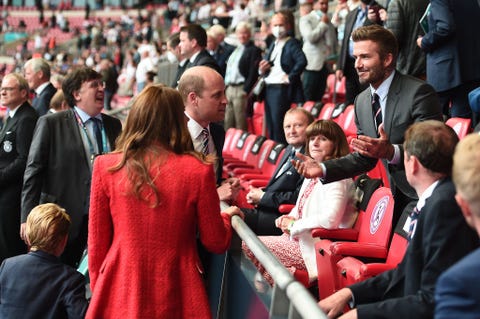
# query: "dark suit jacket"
{"points": [[283, 189], [442, 237], [409, 100], [452, 43], [222, 54], [37, 285], [42, 102], [218, 135], [349, 24], [293, 63], [248, 65], [204, 58], [15, 140], [457, 294], [58, 168]]}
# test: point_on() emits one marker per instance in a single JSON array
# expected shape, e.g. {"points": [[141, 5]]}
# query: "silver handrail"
{"points": [[298, 296]]}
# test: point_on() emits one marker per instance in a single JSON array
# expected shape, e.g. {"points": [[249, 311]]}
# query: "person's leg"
{"points": [[239, 102], [261, 222], [229, 120]]}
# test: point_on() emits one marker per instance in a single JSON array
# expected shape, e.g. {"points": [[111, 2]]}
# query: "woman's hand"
{"points": [[233, 210], [284, 223]]}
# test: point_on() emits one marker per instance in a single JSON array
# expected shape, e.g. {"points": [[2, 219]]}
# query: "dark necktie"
{"points": [[204, 135], [287, 163], [97, 129], [377, 111], [413, 223]]}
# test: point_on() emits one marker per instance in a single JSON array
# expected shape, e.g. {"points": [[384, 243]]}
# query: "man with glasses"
{"points": [[15, 139], [63, 149]]}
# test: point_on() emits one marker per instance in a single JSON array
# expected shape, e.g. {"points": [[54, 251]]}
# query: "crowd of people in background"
{"points": [[407, 65]]}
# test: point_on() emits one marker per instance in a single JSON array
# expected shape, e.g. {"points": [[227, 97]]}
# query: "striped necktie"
{"points": [[377, 110], [204, 136], [413, 223]]}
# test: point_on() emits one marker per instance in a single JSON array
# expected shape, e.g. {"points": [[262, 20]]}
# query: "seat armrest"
{"points": [[358, 249], [337, 234], [285, 208]]}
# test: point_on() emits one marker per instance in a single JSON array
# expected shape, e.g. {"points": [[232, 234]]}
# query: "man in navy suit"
{"points": [[452, 46], [439, 235], [59, 165], [15, 139], [284, 186], [38, 285], [37, 74], [193, 41], [282, 67], [457, 294]]}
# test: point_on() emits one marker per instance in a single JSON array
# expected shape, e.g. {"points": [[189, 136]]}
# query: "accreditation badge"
{"points": [[7, 146]]}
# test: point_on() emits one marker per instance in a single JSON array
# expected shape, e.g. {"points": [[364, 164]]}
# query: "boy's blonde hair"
{"points": [[47, 225]]}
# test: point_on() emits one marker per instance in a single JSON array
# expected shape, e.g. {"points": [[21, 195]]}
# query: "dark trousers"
{"points": [[314, 84], [262, 223], [277, 103], [75, 246], [455, 101]]}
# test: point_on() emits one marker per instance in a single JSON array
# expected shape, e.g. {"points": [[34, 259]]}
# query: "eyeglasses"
{"points": [[8, 89], [96, 84]]}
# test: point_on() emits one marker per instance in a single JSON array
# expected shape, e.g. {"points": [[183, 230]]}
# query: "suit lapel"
{"points": [[71, 122], [11, 122], [392, 103]]}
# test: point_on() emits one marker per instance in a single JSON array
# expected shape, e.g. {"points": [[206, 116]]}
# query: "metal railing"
{"points": [[290, 299]]}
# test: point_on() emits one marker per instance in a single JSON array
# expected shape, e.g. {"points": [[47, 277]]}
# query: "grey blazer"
{"points": [[409, 100]]}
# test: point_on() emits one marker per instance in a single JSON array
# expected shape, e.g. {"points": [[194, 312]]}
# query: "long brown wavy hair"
{"points": [[155, 126]]}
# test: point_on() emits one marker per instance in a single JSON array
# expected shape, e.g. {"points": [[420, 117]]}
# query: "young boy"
{"points": [[38, 284]]}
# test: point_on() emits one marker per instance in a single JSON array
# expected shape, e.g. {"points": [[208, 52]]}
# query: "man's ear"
{"points": [[465, 208], [388, 60], [192, 98]]}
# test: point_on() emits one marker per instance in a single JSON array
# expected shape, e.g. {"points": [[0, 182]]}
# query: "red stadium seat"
{"points": [[460, 125], [372, 241], [326, 111], [351, 270], [231, 137]]}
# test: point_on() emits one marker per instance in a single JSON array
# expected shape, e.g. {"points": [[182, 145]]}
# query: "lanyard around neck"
{"points": [[89, 140]]}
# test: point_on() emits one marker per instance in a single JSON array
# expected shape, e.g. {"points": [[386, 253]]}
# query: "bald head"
{"points": [[203, 93]]}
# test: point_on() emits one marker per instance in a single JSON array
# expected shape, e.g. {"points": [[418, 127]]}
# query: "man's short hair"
{"points": [[190, 82], [173, 40], [47, 225], [39, 64], [386, 40], [466, 170], [433, 144], [74, 80], [22, 82], [301, 110], [197, 32]]}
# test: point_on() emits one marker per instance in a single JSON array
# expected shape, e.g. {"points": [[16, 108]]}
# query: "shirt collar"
{"points": [[382, 90], [194, 128], [194, 56], [41, 87], [84, 116], [11, 113], [426, 194]]}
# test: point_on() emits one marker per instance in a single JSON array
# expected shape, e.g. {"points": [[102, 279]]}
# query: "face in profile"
{"points": [[212, 102]]}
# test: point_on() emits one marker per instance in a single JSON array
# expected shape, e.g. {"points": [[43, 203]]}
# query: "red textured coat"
{"points": [[142, 260]]}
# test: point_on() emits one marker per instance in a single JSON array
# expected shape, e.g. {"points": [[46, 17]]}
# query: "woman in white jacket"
{"points": [[318, 205]]}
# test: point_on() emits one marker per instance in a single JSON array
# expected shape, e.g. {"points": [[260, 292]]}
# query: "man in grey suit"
{"points": [[400, 101], [62, 152]]}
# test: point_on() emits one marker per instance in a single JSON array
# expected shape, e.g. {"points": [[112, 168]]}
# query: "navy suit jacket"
{"points": [[248, 65], [452, 43], [204, 58], [42, 102], [38, 285], [457, 294], [442, 237], [283, 189], [218, 135], [293, 63], [15, 140]]}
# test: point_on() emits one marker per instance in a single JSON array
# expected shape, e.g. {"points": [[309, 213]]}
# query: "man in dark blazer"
{"points": [[452, 46], [346, 62], [15, 139], [217, 47], [457, 294], [193, 40], [60, 160], [37, 74], [439, 235], [240, 77], [282, 67], [403, 100], [38, 284], [284, 186]]}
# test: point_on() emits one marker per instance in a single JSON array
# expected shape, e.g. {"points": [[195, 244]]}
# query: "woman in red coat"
{"points": [[149, 200]]}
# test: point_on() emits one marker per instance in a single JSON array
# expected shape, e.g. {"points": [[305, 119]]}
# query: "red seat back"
{"points": [[231, 137], [460, 125], [326, 112]]}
